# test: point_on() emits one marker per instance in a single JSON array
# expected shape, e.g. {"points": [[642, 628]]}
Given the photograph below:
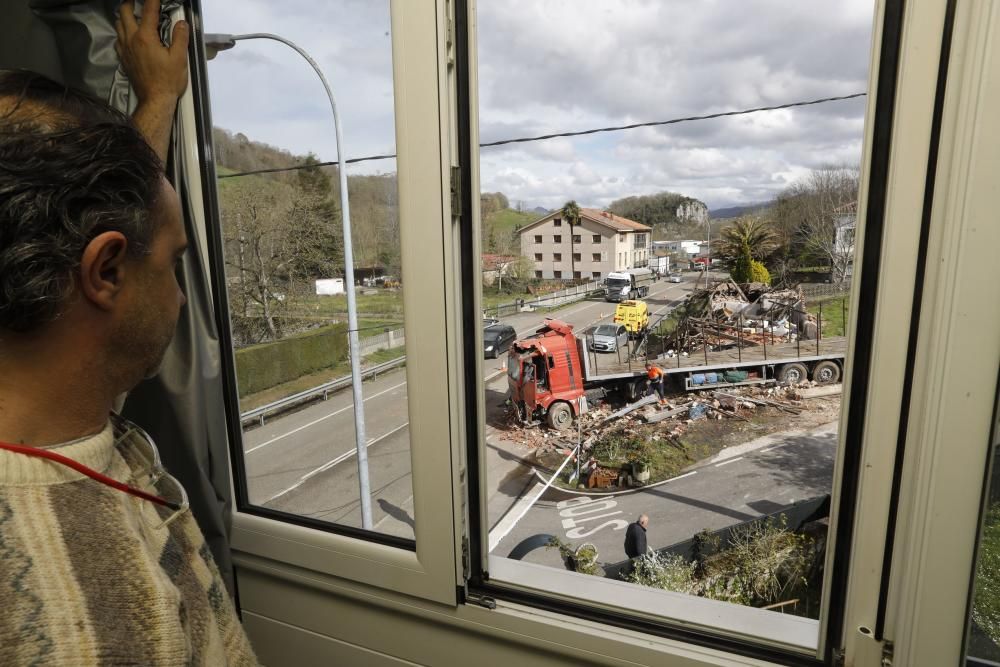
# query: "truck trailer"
{"points": [[630, 284], [548, 372]]}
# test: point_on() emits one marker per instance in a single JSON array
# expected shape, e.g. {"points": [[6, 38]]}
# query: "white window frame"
{"points": [[422, 128], [912, 135], [941, 476]]}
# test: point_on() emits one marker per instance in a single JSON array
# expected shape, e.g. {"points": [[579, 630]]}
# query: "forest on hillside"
{"points": [[282, 231]]}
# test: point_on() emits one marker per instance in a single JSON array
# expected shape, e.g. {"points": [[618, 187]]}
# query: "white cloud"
{"points": [[570, 65]]}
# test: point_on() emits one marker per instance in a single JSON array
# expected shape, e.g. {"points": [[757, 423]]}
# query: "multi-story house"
{"points": [[601, 243]]}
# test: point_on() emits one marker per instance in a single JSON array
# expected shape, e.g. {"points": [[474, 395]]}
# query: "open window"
{"points": [[754, 474], [278, 261]]}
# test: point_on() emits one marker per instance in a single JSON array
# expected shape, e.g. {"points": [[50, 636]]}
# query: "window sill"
{"points": [[775, 630]]}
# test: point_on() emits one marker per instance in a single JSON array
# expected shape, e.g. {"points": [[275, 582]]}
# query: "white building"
{"points": [[330, 286], [690, 248], [601, 243]]}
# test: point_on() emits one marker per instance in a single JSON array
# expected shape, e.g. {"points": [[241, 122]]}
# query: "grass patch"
{"points": [[383, 302], [311, 380], [835, 311], [383, 356], [509, 219], [986, 605], [618, 449]]}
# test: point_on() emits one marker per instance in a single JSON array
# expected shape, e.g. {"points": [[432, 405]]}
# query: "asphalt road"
{"points": [[304, 462], [774, 472]]}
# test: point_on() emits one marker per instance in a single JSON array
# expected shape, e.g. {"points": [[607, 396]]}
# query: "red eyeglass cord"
{"points": [[93, 474]]}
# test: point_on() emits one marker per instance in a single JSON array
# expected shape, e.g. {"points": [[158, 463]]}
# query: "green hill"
{"points": [[509, 220]]}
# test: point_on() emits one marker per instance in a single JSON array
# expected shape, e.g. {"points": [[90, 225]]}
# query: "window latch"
{"points": [[481, 600], [456, 192], [887, 653]]}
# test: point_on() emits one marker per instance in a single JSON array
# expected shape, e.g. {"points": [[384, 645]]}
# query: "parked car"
{"points": [[497, 338], [675, 277], [609, 337]]}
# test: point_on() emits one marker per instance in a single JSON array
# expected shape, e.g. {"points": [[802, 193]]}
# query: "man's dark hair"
{"points": [[70, 168]]}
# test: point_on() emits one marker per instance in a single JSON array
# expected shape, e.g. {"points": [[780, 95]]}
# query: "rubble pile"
{"points": [[672, 417], [726, 315]]}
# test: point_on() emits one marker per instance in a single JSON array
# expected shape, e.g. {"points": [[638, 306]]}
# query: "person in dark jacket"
{"points": [[635, 537]]}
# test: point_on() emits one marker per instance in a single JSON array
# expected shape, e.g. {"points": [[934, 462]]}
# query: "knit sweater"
{"points": [[89, 576]]}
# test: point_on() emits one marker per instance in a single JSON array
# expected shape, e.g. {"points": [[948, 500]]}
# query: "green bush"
{"points": [[761, 563], [748, 270], [986, 607], [759, 273], [665, 571], [263, 366]]}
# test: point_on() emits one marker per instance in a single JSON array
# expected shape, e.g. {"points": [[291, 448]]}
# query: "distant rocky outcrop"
{"points": [[692, 211], [674, 214]]}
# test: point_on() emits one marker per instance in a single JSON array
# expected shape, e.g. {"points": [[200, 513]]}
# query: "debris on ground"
{"points": [[667, 422]]}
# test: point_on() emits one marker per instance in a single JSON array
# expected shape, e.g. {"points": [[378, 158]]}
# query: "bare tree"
{"points": [[818, 206], [256, 216], [507, 245]]}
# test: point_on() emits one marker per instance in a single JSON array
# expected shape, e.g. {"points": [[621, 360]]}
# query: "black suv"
{"points": [[497, 338]]}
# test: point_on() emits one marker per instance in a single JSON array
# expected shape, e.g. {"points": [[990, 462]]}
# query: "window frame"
{"points": [[265, 545], [873, 373], [262, 539]]}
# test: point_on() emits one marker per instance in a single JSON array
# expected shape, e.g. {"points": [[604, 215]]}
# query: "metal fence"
{"points": [[551, 300], [825, 289], [386, 340]]}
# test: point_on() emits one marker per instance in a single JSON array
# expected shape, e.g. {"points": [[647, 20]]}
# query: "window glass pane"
{"points": [[983, 641], [285, 260], [730, 253]]}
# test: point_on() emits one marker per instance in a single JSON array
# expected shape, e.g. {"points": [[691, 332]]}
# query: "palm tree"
{"points": [[753, 232], [571, 214]]}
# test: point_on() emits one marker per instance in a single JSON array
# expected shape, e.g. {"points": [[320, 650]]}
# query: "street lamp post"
{"points": [[221, 42]]}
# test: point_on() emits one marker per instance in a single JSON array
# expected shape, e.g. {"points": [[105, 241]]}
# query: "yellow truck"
{"points": [[634, 315]]}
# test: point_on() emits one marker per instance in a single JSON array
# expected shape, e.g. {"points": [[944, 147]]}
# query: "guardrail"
{"points": [[324, 389], [550, 300]]}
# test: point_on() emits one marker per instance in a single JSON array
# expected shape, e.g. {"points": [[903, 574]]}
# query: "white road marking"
{"points": [[687, 474], [510, 519], [767, 449], [316, 421], [505, 526], [728, 461], [329, 464]]}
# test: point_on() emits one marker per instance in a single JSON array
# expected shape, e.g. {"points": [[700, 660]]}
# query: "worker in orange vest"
{"points": [[656, 377]]}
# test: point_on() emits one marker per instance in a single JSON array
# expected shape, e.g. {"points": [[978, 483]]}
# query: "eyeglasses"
{"points": [[143, 456]]}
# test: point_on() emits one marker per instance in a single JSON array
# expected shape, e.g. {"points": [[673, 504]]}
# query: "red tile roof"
{"points": [[493, 262], [612, 220], [615, 222]]}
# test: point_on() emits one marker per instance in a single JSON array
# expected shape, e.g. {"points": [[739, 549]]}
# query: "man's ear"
{"points": [[102, 269]]}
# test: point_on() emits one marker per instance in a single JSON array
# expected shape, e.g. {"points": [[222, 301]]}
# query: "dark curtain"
{"points": [[182, 408]]}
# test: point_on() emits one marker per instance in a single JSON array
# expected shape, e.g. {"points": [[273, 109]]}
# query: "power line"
{"points": [[579, 133]]}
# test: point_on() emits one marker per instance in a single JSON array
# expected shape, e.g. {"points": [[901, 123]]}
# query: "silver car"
{"points": [[674, 278], [609, 337]]}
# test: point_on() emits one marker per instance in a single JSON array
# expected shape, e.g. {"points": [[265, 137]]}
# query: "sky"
{"points": [[563, 65]]}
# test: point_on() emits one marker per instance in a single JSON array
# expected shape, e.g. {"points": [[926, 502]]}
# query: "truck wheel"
{"points": [[560, 416], [792, 373], [826, 372], [633, 390]]}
